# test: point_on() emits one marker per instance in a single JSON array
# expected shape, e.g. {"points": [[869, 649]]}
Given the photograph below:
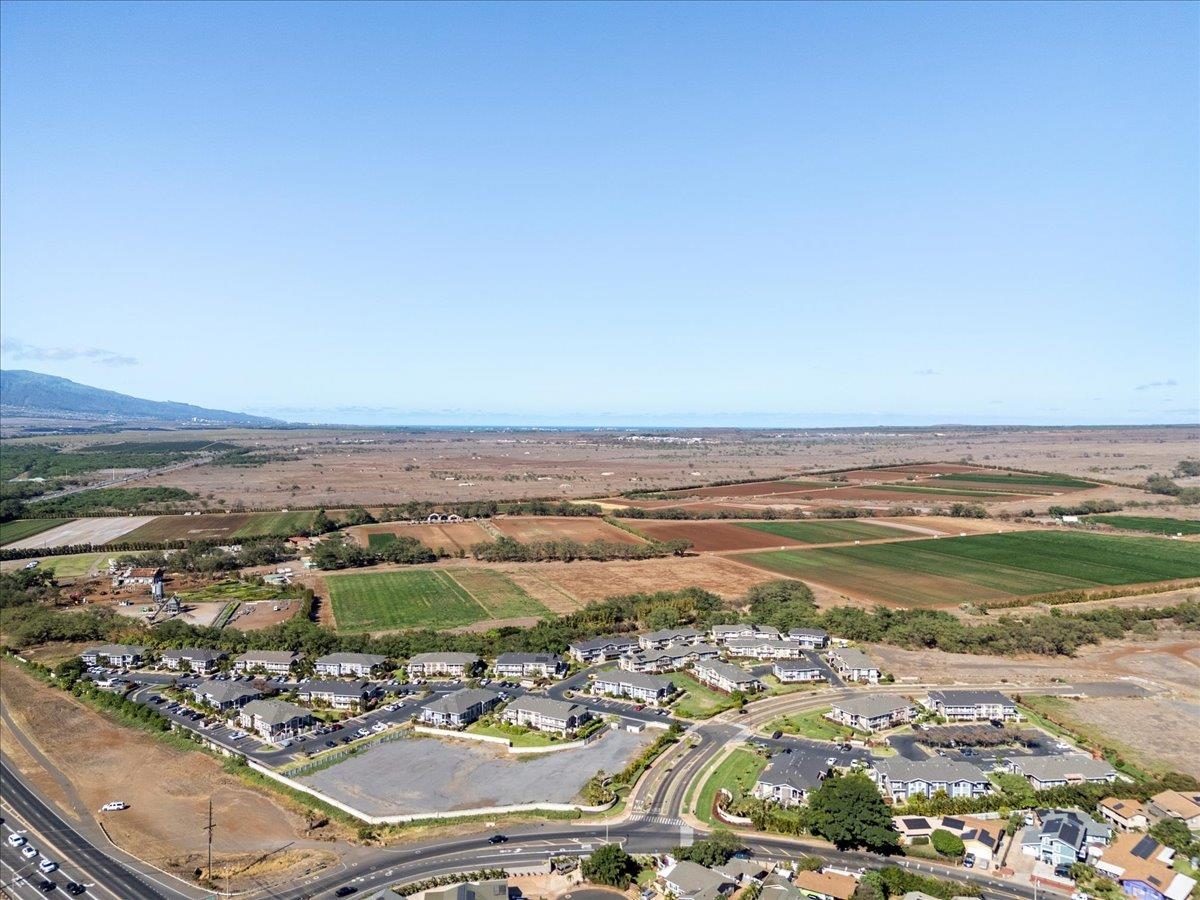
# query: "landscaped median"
{"points": [[736, 773], [813, 724]]}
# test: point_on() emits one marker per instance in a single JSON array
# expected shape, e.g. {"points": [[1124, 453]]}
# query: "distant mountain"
{"points": [[25, 393]]}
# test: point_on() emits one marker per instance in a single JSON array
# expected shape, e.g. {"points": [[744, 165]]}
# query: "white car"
{"points": [[363, 732], [47, 865], [380, 726], [28, 851], [16, 840], [114, 806]]}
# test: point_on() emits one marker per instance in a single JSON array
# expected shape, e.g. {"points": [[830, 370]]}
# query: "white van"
{"points": [[114, 806]]}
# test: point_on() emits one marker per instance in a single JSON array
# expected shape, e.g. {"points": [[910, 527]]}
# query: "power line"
{"points": [[209, 828]]}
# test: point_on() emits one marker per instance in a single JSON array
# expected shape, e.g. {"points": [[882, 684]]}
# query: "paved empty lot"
{"points": [[99, 530], [433, 775]]}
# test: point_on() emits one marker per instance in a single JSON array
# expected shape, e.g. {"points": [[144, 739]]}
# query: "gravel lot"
{"points": [[434, 775]]}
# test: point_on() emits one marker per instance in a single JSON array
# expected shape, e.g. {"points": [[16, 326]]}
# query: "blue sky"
{"points": [[744, 213]]}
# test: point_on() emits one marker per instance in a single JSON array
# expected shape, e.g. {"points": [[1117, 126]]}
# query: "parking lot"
{"points": [[421, 774]]}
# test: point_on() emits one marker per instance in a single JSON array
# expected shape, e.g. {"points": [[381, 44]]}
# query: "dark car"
{"points": [[497, 839], [1062, 871], [46, 886], [345, 891], [74, 888], [776, 735]]}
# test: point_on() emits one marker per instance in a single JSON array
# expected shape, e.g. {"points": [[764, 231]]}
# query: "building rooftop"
{"points": [[520, 659], [274, 712], [1140, 858], [544, 706], [934, 769], [1058, 768], [337, 688], [362, 659], [459, 702], [728, 671], [225, 691], [855, 659], [971, 698], [836, 885], [444, 656], [269, 656], [872, 705], [636, 679]]}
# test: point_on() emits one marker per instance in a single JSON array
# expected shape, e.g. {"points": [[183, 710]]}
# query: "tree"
{"points": [[947, 843], [610, 865], [711, 851], [849, 811], [1173, 833]]}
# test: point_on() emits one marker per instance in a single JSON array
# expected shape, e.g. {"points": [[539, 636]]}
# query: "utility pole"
{"points": [[209, 828]]}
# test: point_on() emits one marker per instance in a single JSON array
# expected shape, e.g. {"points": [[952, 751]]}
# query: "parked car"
{"points": [[16, 840], [497, 839], [345, 891], [28, 851], [114, 806], [969, 861], [47, 886], [74, 888], [47, 865]]}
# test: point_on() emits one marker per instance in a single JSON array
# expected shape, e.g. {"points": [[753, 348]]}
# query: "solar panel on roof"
{"points": [[1144, 848]]}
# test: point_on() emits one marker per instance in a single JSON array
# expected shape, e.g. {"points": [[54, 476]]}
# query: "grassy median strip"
{"points": [[736, 773]]}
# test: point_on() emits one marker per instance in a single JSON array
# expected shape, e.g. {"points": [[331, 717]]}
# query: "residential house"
{"points": [[871, 712], [455, 665], [743, 871], [600, 649], [544, 714], [687, 880], [722, 633], [459, 708], [854, 665], [196, 659], [669, 637], [788, 778], [899, 778], [914, 827], [1181, 805], [496, 889], [1127, 815], [1143, 868], [726, 677], [336, 694], [123, 655], [273, 720], [809, 638], [1045, 772], [776, 886], [634, 685], [825, 885], [276, 662], [967, 706], [224, 695], [804, 668], [529, 665], [982, 839], [763, 648], [1064, 836], [669, 659], [356, 665]]}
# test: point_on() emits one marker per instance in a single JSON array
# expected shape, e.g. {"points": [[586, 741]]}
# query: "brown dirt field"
{"points": [[950, 525], [938, 469], [1154, 732], [587, 581], [339, 467], [1134, 601], [207, 525], [450, 536], [749, 489], [916, 498], [168, 790], [713, 536], [261, 614], [559, 528]]}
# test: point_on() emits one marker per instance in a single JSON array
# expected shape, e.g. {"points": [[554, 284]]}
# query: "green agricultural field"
{"points": [[736, 773], [827, 532], [280, 524], [964, 491], [1151, 524], [1016, 479], [949, 571], [22, 528], [235, 590], [381, 540], [446, 598]]}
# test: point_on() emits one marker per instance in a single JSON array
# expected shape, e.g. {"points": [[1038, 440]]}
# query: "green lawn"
{"points": [[72, 565], [827, 532], [526, 738], [20, 529], [281, 524], [811, 724], [775, 687], [701, 701], [736, 773], [381, 540], [986, 567], [426, 599], [1152, 524]]}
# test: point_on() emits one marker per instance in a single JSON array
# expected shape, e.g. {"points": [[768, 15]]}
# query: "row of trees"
{"points": [[507, 549], [339, 552]]}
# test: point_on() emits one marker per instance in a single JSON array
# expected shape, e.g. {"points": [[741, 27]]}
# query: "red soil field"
{"points": [[450, 536], [713, 536], [558, 528], [749, 489]]}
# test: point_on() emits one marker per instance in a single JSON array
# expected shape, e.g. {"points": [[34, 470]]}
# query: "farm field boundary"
{"points": [[948, 571]]}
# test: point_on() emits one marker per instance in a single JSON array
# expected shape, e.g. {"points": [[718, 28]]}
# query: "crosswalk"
{"points": [[673, 821]]}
